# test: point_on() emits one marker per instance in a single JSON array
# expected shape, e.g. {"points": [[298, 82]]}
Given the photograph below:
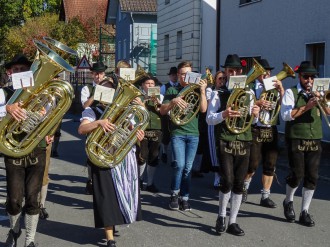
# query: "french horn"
{"points": [[45, 104], [109, 149]]}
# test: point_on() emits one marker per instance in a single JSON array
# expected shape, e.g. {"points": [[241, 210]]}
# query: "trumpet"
{"points": [[323, 101]]}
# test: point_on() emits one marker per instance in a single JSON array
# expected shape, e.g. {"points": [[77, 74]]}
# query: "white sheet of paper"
{"points": [[192, 77], [321, 84], [268, 83], [153, 91], [104, 94], [127, 74], [237, 81], [23, 80]]}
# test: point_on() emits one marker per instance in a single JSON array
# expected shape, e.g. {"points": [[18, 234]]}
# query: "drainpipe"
{"points": [[132, 42], [217, 42]]}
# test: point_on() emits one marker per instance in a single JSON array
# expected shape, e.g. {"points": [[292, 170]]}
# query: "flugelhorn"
{"points": [[269, 116]]}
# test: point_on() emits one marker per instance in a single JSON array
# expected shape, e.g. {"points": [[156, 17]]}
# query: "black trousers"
{"points": [[149, 148], [24, 179], [304, 161], [264, 148], [234, 162]]}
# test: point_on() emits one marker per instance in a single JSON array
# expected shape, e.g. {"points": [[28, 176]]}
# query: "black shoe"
{"points": [[111, 243], [174, 203], [43, 214], [235, 230], [54, 154], [89, 188], [164, 158], [267, 203], [244, 195], [11, 240], [289, 211], [220, 226], [31, 245], [195, 174], [152, 188], [185, 206], [306, 219]]}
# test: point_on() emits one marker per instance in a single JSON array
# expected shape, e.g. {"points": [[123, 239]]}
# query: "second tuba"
{"points": [[45, 104], [109, 149]]}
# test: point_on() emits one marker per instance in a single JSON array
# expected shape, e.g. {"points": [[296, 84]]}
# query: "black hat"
{"points": [[18, 59], [98, 67], [232, 61], [306, 67], [264, 63], [173, 70]]}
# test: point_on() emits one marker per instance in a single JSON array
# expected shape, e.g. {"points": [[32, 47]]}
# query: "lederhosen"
{"points": [[24, 178], [149, 146], [303, 136], [264, 146], [234, 152]]}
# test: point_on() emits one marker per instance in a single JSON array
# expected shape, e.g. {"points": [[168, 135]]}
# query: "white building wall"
{"points": [[178, 15], [276, 30]]}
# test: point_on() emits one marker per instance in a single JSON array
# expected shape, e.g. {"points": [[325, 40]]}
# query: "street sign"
{"points": [[83, 64]]}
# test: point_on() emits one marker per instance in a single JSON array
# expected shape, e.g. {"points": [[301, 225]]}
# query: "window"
{"points": [[166, 47], [315, 53], [244, 2], [249, 63], [179, 45], [167, 1]]}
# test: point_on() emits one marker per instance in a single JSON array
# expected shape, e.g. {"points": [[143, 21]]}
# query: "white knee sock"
{"points": [[15, 222], [307, 196], [223, 201], [247, 183], [235, 203], [289, 193], [43, 195], [151, 173], [31, 222]]}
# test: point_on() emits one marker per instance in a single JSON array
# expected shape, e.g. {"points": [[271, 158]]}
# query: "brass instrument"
{"points": [[109, 149], [269, 116], [240, 100], [45, 104], [209, 76], [191, 95], [323, 102]]}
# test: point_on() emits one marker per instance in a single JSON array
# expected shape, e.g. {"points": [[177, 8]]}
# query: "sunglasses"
{"points": [[306, 77]]}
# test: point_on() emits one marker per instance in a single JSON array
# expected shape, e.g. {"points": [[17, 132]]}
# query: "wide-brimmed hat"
{"points": [[264, 63], [306, 67], [173, 70], [18, 59], [98, 67], [232, 61]]}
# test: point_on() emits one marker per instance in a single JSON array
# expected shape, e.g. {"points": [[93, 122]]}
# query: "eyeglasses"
{"points": [[306, 77]]}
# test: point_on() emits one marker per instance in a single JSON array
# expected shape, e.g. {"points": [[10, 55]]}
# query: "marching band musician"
{"points": [[115, 190], [303, 134], [149, 147], [23, 175], [264, 145], [184, 140], [234, 151]]}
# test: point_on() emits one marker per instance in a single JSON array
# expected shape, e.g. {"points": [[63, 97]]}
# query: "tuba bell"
{"points": [[240, 100], [45, 104], [269, 116], [109, 149]]}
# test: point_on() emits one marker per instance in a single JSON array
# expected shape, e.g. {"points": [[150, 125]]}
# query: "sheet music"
{"points": [[23, 80], [104, 94], [237, 81]]}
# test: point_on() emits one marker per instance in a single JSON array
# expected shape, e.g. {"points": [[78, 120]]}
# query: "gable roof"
{"points": [[138, 5]]}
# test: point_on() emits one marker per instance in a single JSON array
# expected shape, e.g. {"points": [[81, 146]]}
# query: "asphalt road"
{"points": [[71, 214]]}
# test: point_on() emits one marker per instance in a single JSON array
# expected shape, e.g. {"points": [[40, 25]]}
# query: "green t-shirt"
{"points": [[190, 128]]}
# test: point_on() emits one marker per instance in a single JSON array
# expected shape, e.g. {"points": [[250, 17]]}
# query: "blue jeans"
{"points": [[184, 149]]}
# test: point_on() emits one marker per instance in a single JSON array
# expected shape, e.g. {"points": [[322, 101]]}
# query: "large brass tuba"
{"points": [[45, 104], [269, 116], [240, 100], [109, 149]]}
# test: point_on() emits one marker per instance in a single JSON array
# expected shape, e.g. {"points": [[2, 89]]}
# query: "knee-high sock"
{"points": [[307, 196], [31, 222], [43, 195], [235, 204], [151, 173], [223, 201], [247, 183], [15, 222], [141, 170], [289, 193]]}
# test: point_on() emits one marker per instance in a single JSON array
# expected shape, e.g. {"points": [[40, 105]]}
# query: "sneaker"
{"points": [[152, 188], [89, 188], [111, 243], [244, 195], [185, 206], [11, 240], [174, 203], [43, 214], [306, 219], [267, 203]]}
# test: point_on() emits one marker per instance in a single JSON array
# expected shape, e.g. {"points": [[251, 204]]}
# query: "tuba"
{"points": [[109, 149], [240, 100], [269, 116], [45, 104]]}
